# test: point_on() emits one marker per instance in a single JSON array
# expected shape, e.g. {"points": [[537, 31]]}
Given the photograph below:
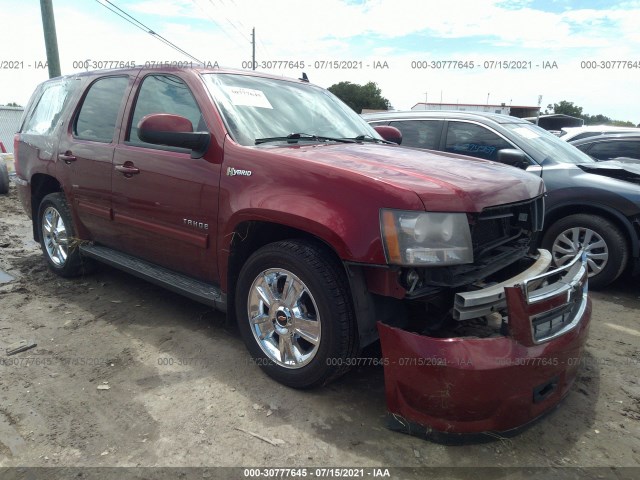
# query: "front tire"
{"points": [[57, 235], [605, 245], [295, 314]]}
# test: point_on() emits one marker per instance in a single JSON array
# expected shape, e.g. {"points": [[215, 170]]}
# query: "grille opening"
{"points": [[503, 225]]}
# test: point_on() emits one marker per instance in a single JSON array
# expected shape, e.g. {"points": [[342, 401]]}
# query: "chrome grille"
{"points": [[568, 292]]}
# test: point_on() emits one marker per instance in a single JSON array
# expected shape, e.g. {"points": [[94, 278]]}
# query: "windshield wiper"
{"points": [[296, 137], [369, 138]]}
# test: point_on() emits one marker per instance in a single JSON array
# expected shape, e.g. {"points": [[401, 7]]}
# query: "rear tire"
{"points": [[295, 315], [606, 246], [58, 237], [4, 178]]}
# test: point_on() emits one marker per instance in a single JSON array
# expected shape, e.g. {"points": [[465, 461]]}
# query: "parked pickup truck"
{"points": [[270, 199]]}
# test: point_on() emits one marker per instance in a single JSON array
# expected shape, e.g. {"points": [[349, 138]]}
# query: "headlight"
{"points": [[426, 238]]}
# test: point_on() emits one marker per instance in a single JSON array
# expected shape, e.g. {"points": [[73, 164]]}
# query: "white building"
{"points": [[514, 110], [9, 124]]}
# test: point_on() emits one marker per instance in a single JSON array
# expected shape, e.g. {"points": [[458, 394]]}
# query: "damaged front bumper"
{"points": [[470, 385]]}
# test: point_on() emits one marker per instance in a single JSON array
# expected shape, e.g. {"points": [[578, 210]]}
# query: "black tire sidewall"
{"points": [[4, 177], [331, 352], [616, 244], [73, 265]]}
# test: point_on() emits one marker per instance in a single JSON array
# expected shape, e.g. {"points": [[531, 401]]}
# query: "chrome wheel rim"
{"points": [[54, 233], [284, 318], [568, 244]]}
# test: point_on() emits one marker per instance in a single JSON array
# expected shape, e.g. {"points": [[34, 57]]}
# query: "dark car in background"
{"points": [[595, 204], [610, 146]]}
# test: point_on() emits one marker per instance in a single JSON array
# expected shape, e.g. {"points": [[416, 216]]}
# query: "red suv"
{"points": [[270, 199]]}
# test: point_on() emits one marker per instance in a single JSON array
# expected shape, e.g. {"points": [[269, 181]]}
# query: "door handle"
{"points": [[67, 157], [128, 170]]}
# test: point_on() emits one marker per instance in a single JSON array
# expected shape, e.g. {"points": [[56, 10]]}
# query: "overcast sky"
{"points": [[365, 33]]}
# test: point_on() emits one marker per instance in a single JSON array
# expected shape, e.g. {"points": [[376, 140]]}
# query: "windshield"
{"points": [[264, 108], [546, 145]]}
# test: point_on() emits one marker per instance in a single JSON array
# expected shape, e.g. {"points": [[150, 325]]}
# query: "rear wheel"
{"points": [[294, 313], [57, 237], [605, 245]]}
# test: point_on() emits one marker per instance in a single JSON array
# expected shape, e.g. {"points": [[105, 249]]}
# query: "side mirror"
{"points": [[390, 134], [513, 157], [173, 131]]}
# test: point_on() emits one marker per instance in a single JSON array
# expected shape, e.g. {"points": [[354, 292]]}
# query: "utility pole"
{"points": [[253, 47], [538, 114], [50, 38]]}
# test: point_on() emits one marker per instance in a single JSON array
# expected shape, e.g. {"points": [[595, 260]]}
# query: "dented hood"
{"points": [[443, 181], [621, 168]]}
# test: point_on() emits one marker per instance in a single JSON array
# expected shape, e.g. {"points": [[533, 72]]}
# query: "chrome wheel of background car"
{"points": [[569, 242], [54, 233], [284, 318]]}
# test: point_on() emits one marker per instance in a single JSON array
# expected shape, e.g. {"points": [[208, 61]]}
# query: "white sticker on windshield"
{"points": [[526, 133], [248, 97]]}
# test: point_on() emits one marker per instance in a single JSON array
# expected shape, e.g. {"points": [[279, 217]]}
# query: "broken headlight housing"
{"points": [[425, 238]]}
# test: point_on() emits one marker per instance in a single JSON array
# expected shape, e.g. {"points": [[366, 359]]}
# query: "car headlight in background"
{"points": [[426, 238]]}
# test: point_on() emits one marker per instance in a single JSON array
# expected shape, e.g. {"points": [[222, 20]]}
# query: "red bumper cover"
{"points": [[474, 385]]}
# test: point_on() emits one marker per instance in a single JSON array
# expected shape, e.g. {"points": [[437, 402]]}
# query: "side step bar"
{"points": [[176, 282]]}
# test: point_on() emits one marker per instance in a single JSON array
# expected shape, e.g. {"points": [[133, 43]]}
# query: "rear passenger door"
{"points": [[420, 133], [165, 203], [85, 153]]}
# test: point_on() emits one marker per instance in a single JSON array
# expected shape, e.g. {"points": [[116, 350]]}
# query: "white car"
{"points": [[575, 133]]}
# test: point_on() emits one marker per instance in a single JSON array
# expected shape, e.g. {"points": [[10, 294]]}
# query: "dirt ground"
{"points": [[182, 390]]}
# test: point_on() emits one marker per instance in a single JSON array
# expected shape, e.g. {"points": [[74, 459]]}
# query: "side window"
{"points": [[99, 112], [47, 112], [608, 150], [164, 94], [474, 140], [420, 133], [584, 135], [585, 147]]}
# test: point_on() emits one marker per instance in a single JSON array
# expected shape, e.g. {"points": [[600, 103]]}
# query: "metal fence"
{"points": [[9, 123]]}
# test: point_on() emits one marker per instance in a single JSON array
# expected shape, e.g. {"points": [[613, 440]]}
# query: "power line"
{"points": [[231, 23], [151, 32], [263, 46], [144, 28], [217, 24], [235, 27]]}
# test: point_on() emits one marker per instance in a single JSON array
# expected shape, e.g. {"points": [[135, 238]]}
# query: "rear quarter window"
{"points": [[44, 116]]}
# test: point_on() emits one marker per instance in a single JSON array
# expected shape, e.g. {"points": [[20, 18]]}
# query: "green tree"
{"points": [[567, 108], [12, 104], [596, 119], [360, 96], [622, 123]]}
